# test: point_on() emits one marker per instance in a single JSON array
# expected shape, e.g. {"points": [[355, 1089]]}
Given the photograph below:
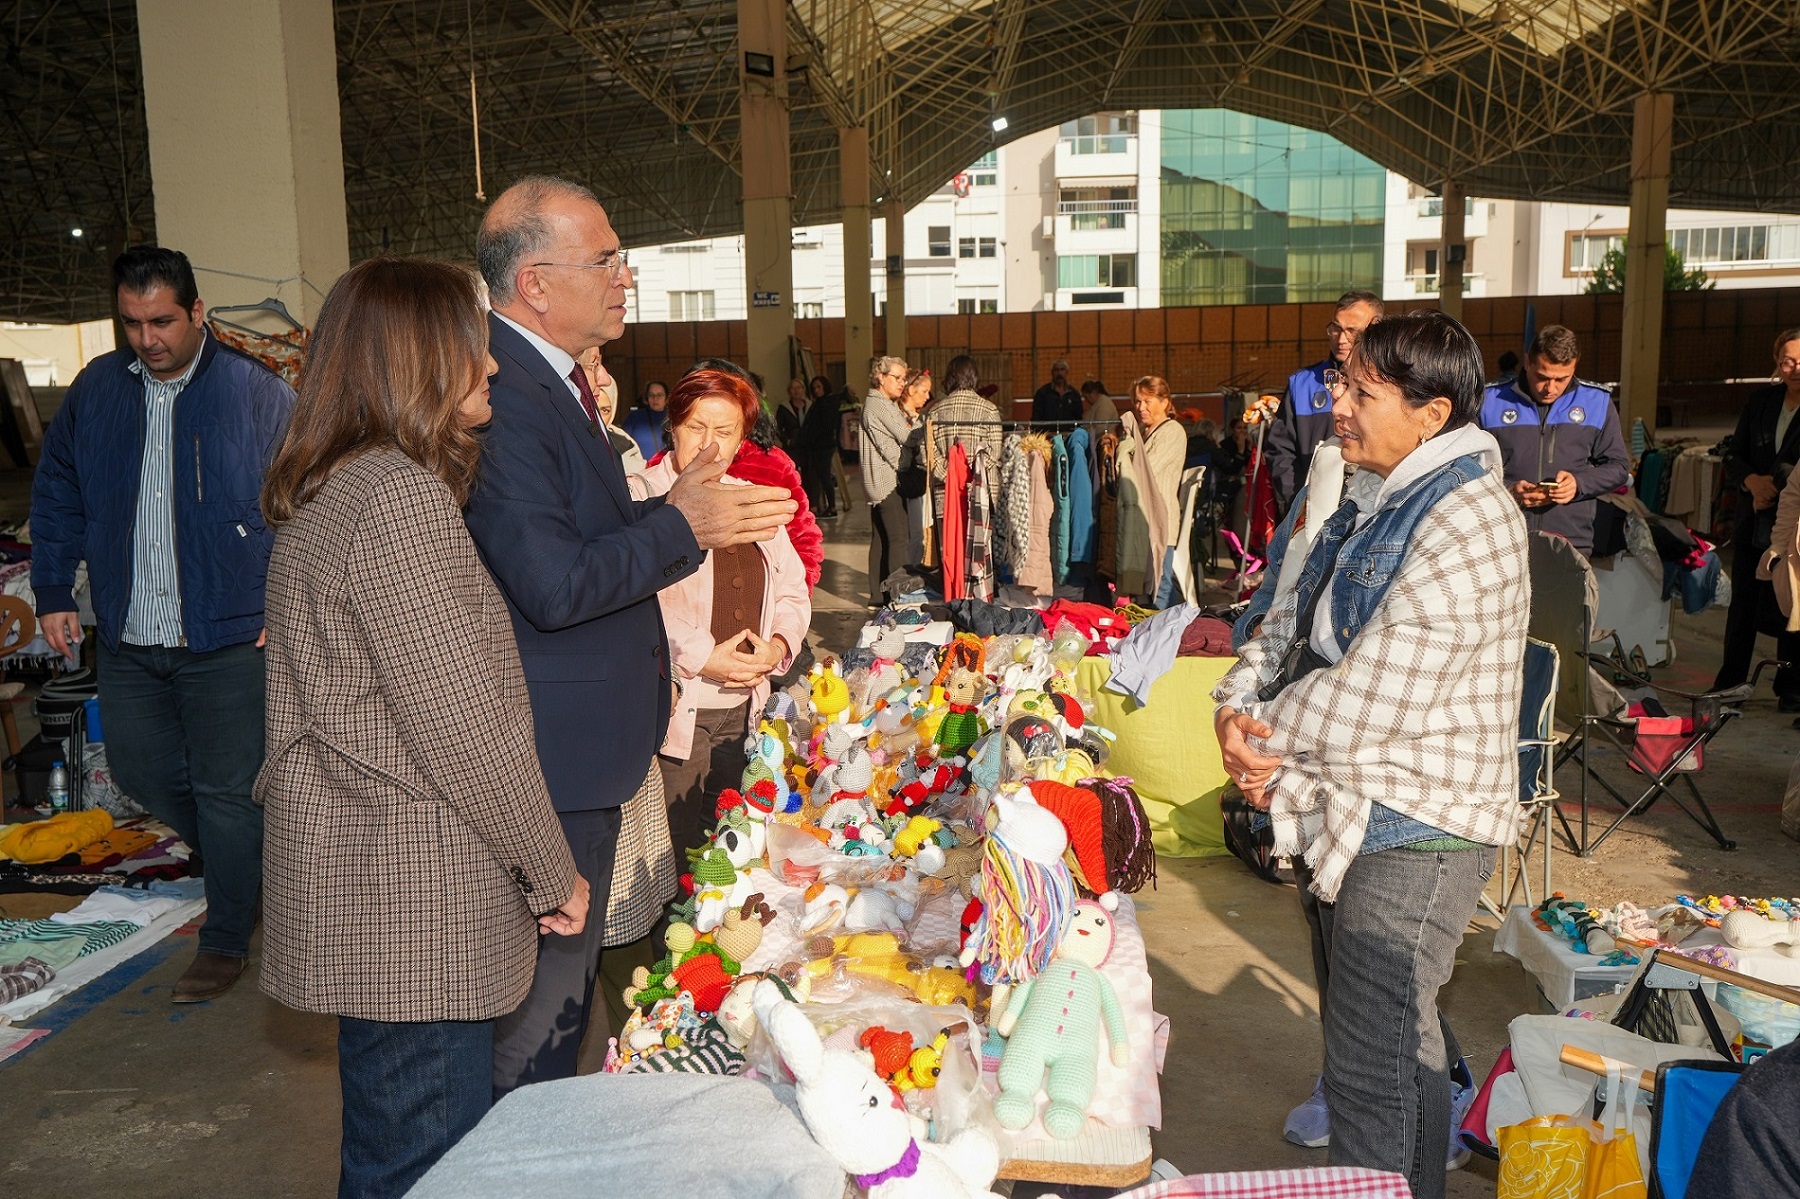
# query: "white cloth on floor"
{"points": [[117, 903]]}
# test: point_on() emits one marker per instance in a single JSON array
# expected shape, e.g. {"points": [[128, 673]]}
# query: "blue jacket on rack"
{"points": [[228, 422], [1083, 532]]}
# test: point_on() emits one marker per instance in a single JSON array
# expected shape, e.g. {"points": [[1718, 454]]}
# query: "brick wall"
{"points": [[1707, 337]]}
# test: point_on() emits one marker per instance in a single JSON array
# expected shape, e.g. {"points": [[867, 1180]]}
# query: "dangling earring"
{"points": [[1424, 437]]}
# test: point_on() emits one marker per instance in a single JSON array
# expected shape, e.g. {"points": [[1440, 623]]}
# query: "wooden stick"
{"points": [[1593, 1063], [1676, 961]]}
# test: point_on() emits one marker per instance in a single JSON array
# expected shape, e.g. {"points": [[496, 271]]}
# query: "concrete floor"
{"points": [[239, 1096]]}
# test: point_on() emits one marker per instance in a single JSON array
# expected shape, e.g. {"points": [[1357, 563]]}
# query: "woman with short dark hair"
{"points": [[1374, 717], [411, 853]]}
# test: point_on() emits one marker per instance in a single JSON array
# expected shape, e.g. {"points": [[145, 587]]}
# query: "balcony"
{"points": [[1082, 299], [1095, 226], [1421, 285], [1099, 155]]}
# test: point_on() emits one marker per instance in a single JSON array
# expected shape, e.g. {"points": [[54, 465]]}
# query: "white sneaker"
{"points": [[1309, 1125]]}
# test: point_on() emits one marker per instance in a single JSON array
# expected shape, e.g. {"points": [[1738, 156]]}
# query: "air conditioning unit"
{"points": [[1049, 228]]}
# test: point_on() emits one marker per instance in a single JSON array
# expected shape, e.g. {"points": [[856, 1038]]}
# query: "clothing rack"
{"points": [[1016, 424]]}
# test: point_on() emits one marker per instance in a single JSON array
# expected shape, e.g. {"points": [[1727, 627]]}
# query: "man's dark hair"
{"points": [[1093, 387], [143, 269], [1350, 298], [1509, 363], [1426, 355], [961, 374], [1556, 344]]}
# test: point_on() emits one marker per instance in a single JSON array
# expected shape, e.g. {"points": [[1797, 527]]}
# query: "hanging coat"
{"points": [[1082, 488], [1059, 512]]}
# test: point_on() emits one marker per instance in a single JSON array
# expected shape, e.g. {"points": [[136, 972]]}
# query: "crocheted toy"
{"points": [[843, 788], [924, 1065], [679, 972], [886, 643], [857, 1119], [768, 764], [1742, 928], [871, 908], [878, 955], [1025, 889], [830, 694], [1109, 837], [1574, 922], [824, 910], [915, 836], [963, 677], [741, 931], [890, 1050], [1053, 1025]]}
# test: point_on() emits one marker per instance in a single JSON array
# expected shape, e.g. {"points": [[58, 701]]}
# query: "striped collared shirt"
{"points": [[154, 617]]}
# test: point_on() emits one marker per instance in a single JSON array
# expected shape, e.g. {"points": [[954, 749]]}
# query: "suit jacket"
{"points": [[1751, 450], [408, 835], [579, 562]]}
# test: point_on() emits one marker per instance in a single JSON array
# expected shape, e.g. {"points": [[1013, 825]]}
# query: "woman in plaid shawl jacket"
{"points": [[1375, 718]]}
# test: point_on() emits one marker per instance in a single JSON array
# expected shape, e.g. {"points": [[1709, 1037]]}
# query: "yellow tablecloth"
{"points": [[1167, 749]]}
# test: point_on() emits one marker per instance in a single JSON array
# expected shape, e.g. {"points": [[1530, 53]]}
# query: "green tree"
{"points": [[1609, 276]]}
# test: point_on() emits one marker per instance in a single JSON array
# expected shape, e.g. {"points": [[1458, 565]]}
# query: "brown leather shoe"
{"points": [[209, 977]]}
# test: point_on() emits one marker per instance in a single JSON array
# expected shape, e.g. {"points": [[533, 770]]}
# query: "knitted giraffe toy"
{"points": [[1053, 1024]]}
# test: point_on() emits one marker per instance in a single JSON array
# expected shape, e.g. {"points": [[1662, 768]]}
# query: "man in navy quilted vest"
{"points": [[151, 474], [1561, 439]]}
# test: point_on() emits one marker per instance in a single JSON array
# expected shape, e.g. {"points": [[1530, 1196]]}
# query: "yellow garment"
{"points": [[58, 837], [124, 842]]}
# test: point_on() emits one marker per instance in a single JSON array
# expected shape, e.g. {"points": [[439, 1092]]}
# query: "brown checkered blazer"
{"points": [[409, 837]]}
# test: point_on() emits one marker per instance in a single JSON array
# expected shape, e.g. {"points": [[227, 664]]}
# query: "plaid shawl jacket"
{"points": [[409, 837], [1422, 712]]}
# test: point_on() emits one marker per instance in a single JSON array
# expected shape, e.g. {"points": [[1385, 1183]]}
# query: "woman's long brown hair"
{"points": [[400, 343]]}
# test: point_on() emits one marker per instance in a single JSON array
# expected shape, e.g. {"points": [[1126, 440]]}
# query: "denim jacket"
{"points": [[1365, 568]]}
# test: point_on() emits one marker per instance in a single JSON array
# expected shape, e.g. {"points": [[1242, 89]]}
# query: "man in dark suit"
{"points": [[580, 563]]}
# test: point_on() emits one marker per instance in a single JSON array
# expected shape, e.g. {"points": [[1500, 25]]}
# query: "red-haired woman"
{"points": [[731, 624]]}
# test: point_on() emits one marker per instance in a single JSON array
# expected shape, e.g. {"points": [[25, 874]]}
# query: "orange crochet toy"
{"points": [[891, 1050]]}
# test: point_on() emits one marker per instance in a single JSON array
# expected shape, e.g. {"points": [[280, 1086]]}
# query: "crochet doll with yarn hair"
{"points": [[1053, 1029]]}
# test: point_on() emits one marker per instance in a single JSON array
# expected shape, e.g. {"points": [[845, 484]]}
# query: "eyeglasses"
{"points": [[1336, 382], [1336, 330], [613, 261], [1788, 364]]}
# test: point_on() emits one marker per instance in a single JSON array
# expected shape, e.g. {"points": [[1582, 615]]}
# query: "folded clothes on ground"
{"points": [[63, 834], [55, 954], [99, 935], [22, 979], [116, 903], [119, 844]]}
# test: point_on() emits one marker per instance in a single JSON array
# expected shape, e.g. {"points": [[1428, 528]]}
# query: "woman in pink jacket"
{"points": [[731, 624]]}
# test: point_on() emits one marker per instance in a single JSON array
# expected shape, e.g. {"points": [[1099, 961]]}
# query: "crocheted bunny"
{"points": [[858, 1119], [1053, 1024]]}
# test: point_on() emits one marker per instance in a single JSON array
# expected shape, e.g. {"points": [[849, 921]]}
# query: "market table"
{"points": [[1168, 751]]}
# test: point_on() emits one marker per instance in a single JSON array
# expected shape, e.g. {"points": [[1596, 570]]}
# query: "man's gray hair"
{"points": [[515, 231], [882, 366], [1060, 364]]}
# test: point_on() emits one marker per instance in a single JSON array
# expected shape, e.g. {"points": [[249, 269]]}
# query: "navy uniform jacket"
{"points": [[1579, 433], [1301, 423], [580, 563]]}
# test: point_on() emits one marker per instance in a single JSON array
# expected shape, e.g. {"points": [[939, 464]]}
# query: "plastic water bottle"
{"points": [[59, 788]]}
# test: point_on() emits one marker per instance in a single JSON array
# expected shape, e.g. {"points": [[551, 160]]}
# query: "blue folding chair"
{"points": [[1687, 1096], [1537, 787]]}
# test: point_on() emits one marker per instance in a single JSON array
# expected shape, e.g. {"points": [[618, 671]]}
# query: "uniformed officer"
{"points": [[1304, 418], [1559, 437]]}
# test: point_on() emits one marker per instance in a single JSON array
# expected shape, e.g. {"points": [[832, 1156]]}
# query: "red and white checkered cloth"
{"points": [[1329, 1182]]}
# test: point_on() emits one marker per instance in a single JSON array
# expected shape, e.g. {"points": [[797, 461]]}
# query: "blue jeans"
{"points": [[184, 738], [1390, 942], [410, 1093], [1168, 591]]}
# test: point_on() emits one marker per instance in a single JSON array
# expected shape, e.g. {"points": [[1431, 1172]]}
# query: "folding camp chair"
{"points": [[1537, 790], [1564, 604], [1687, 1096]]}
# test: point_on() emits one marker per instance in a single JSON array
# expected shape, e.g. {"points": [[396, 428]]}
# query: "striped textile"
{"points": [[100, 935], [980, 568], [154, 617]]}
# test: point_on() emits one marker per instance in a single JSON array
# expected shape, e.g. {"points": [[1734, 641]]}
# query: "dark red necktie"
{"points": [[580, 379]]}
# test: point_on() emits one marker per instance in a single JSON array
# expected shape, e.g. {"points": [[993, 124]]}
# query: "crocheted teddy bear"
{"points": [[1053, 1024]]}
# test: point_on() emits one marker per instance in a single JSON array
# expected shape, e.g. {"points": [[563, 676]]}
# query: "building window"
{"points": [[989, 247], [1097, 270], [1587, 249], [1097, 207], [985, 171], [1739, 245], [987, 306], [1104, 133], [1433, 206], [965, 307], [809, 308], [690, 305], [688, 247], [937, 238], [965, 247]]}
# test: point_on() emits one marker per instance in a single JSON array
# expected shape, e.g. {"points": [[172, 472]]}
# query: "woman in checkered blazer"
{"points": [[411, 852], [1375, 718]]}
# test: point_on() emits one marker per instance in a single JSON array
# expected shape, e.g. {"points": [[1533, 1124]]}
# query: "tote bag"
{"points": [[1566, 1157]]}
